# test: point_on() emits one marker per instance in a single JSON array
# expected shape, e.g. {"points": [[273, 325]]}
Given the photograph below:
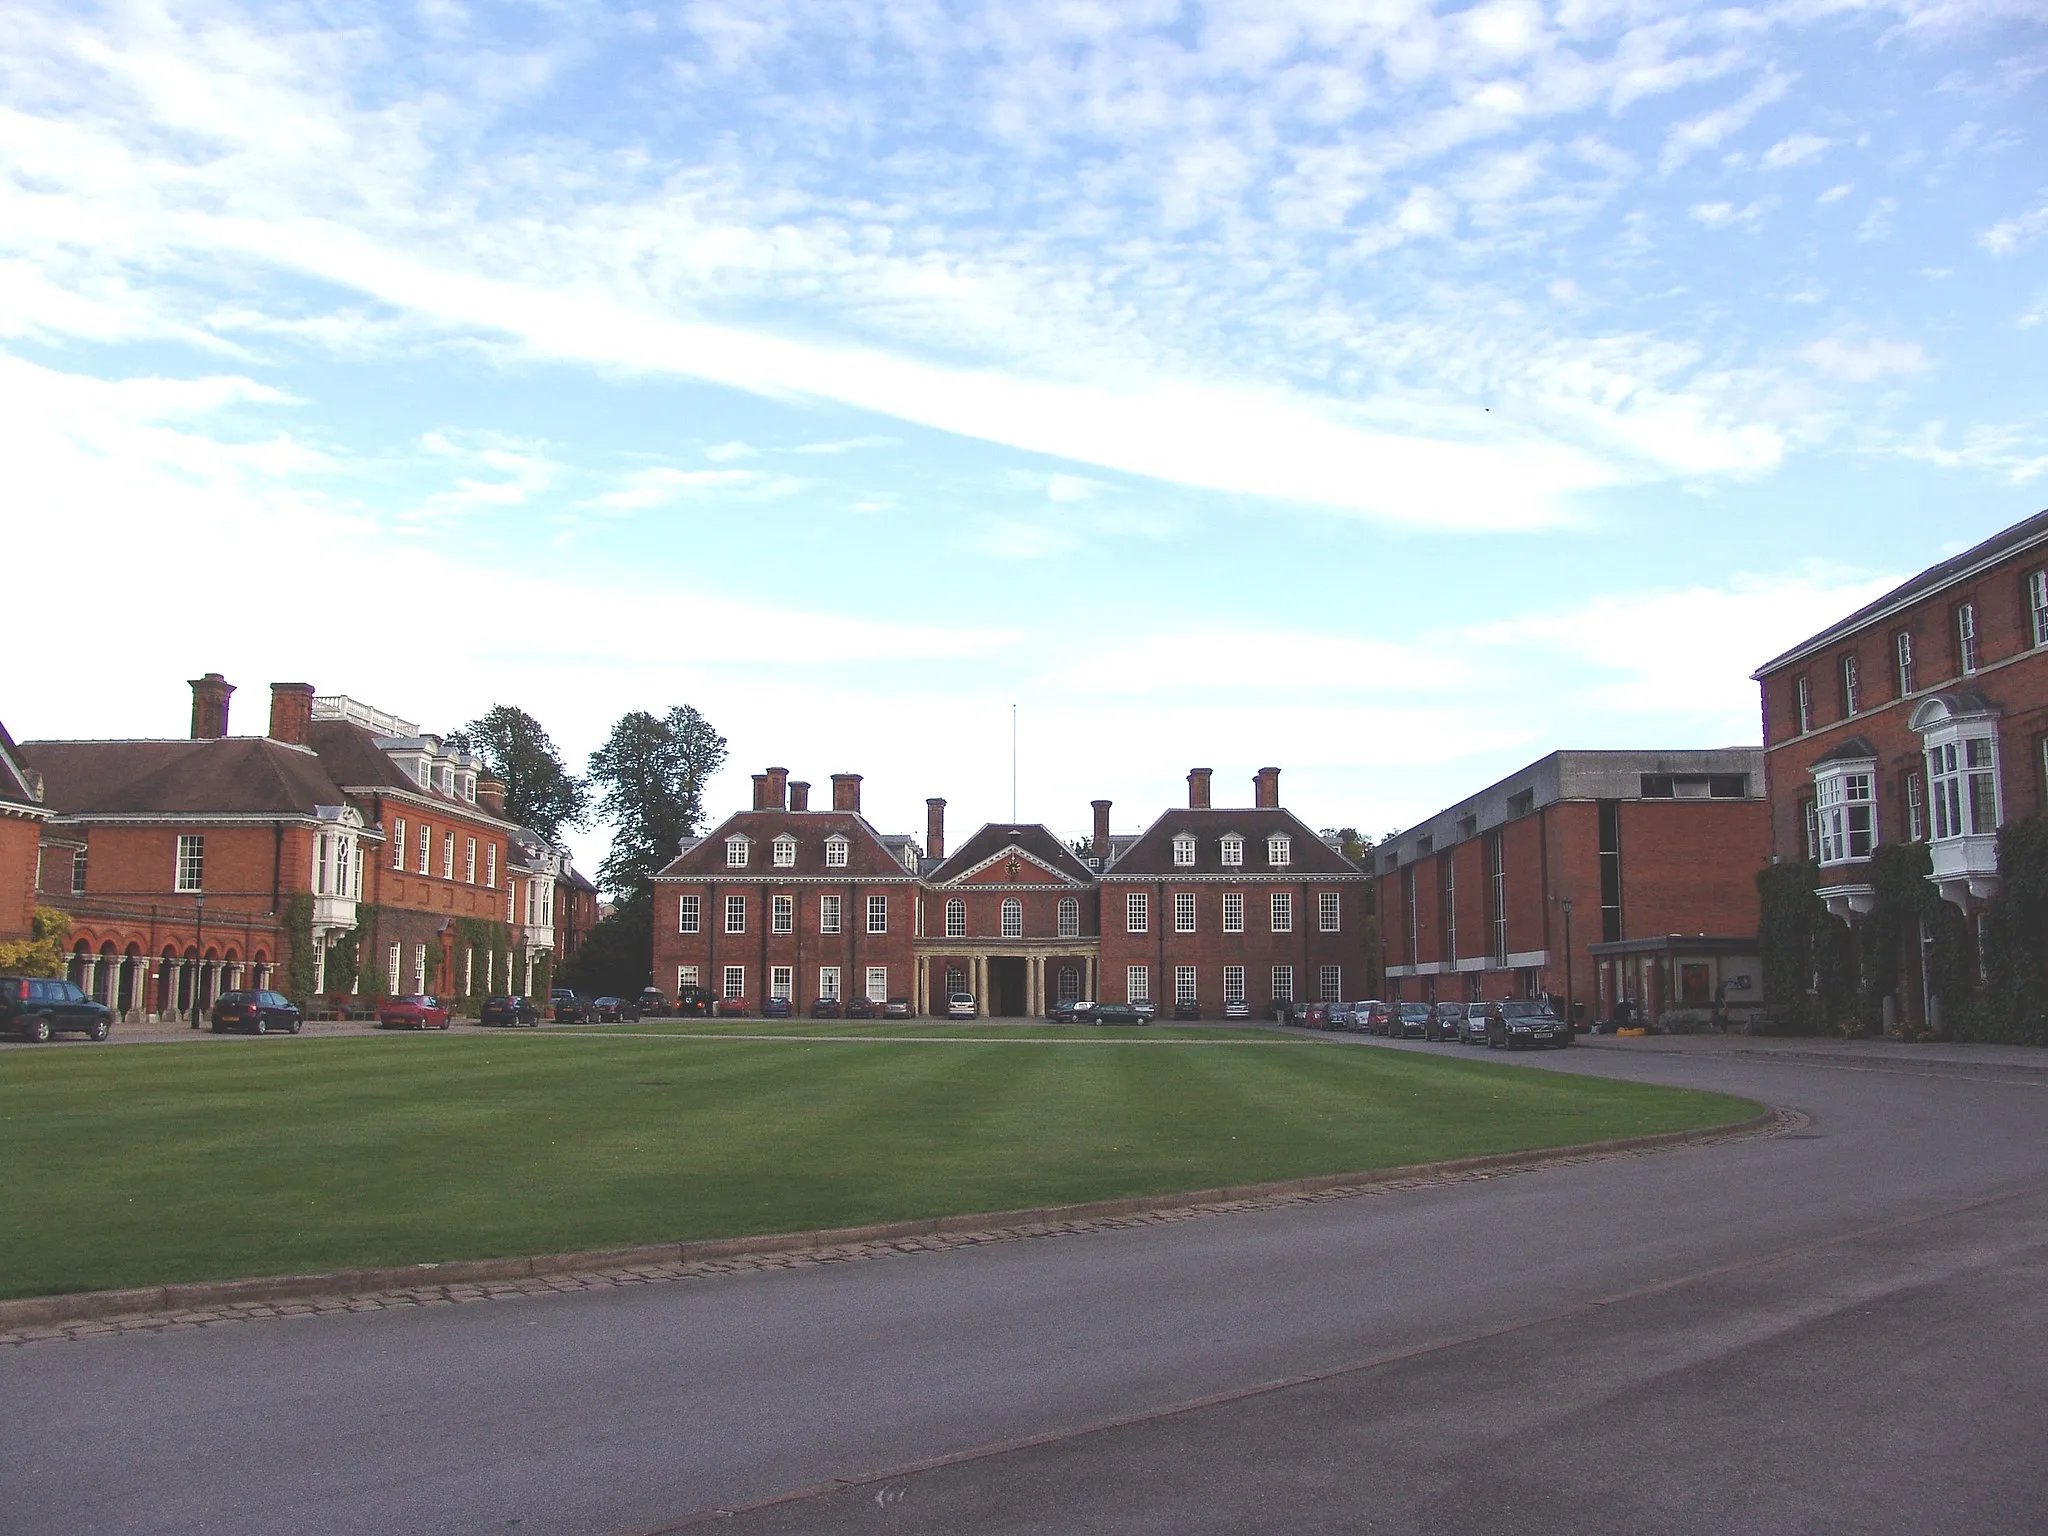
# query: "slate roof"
{"points": [[867, 855], [233, 776], [1037, 841], [15, 788], [1857, 749], [1151, 856], [2021, 535]]}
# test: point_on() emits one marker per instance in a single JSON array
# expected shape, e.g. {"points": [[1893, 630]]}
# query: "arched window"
{"points": [[1013, 918], [1070, 983], [1070, 917], [956, 918]]}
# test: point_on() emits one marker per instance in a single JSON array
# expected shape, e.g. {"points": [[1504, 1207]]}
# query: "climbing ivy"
{"points": [[2014, 1006], [298, 965]]}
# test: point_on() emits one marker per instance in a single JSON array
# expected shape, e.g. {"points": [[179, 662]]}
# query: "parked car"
{"points": [[863, 1008], [898, 1008], [1372, 1015], [827, 1008], [39, 1007], [1343, 1016], [1518, 1021], [653, 1003], [615, 1010], [1311, 1015], [1239, 1011], [960, 1005], [1147, 1010], [695, 1003], [557, 996], [1070, 1010], [777, 1008], [509, 1011], [1472, 1027], [729, 1008], [417, 1011], [1187, 1012], [1114, 1013], [574, 1008], [257, 1013], [1408, 1021], [1444, 1019]]}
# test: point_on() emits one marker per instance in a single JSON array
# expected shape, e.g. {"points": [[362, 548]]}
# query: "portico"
{"points": [[1010, 978]]}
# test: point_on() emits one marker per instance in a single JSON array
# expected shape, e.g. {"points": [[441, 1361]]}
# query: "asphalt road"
{"points": [[1845, 1329]]}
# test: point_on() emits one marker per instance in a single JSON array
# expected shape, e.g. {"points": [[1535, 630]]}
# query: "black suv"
{"points": [[257, 1013], [40, 1007], [1525, 1021]]}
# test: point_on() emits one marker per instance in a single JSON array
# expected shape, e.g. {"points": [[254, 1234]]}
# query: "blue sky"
{"points": [[1388, 392]]}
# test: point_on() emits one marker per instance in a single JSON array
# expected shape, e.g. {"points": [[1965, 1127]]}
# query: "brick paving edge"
{"points": [[165, 1301]]}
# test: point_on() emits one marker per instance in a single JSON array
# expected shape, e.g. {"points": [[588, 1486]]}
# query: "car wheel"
{"points": [[39, 1030], [262, 1026], [294, 1026], [101, 1029], [447, 1023]]}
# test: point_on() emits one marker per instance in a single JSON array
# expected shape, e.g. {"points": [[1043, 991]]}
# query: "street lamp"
{"points": [[1571, 1023], [199, 944]]}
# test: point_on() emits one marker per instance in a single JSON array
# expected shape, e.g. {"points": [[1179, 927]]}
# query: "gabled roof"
{"points": [[16, 790], [1857, 749], [1151, 856], [1950, 572], [867, 853], [995, 840], [231, 776]]}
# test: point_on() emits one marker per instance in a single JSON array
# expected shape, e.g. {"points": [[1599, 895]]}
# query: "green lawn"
{"points": [[142, 1164]]}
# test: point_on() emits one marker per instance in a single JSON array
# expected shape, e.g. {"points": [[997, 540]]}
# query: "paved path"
{"points": [[1836, 1330]]}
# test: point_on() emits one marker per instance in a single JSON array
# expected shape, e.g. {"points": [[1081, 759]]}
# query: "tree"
{"points": [[650, 775], [1349, 843], [617, 955], [540, 792]]}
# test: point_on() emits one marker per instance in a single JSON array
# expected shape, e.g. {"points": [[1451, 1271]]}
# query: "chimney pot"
{"points": [[760, 791], [846, 792], [1101, 832], [799, 795], [1266, 789], [210, 706], [935, 828], [778, 789], [291, 712], [1198, 788]]}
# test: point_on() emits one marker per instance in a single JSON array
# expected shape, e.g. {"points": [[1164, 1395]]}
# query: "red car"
{"points": [[412, 1013]]}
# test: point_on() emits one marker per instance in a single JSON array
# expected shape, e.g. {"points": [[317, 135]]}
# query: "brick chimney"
{"points": [[291, 712], [1101, 832], [1266, 789], [846, 792], [799, 796], [210, 706], [760, 791], [778, 789], [1198, 788], [935, 828], [490, 793]]}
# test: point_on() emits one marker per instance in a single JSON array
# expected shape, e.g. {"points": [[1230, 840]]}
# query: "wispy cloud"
{"points": [[1796, 149], [662, 485], [2010, 235], [1861, 362]]}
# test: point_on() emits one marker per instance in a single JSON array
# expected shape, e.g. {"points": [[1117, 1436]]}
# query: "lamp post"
{"points": [[199, 943], [1571, 1023]]}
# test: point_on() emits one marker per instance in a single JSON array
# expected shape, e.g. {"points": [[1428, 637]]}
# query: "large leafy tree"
{"points": [[617, 957], [650, 777], [540, 791]]}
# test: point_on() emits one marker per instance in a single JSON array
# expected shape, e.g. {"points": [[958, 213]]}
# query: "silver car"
{"points": [[1472, 1028]]}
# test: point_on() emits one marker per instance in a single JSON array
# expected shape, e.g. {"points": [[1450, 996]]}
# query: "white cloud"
{"points": [[1877, 223], [2009, 235], [1710, 129], [1835, 193], [662, 485], [2016, 453], [1863, 362], [1727, 215], [518, 472], [851, 444], [1796, 149], [1069, 488], [725, 453]]}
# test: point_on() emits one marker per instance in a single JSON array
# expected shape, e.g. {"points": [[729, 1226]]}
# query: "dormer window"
{"points": [[735, 853], [469, 788], [1279, 850], [1845, 796], [785, 852], [424, 770], [1184, 851], [835, 852], [448, 782], [1233, 852]]}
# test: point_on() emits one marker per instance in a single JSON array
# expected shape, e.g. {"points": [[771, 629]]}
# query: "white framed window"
{"points": [[1233, 852], [1233, 983], [419, 969], [491, 865], [878, 984], [1847, 804], [1137, 912], [1809, 816], [1233, 911], [1852, 686], [1966, 638], [469, 788], [835, 852], [2037, 606], [785, 852], [1069, 983], [469, 973], [1184, 984], [782, 914], [426, 848], [191, 870], [735, 983], [828, 914], [1902, 662], [686, 976], [398, 844], [78, 871], [956, 918], [1916, 808], [735, 853], [1283, 911], [447, 855], [1497, 890], [828, 982], [782, 982], [1184, 851], [319, 868], [424, 772], [1013, 918], [394, 967], [1329, 911], [689, 913], [1137, 984], [735, 914], [878, 914], [1450, 896], [1070, 917], [1183, 911], [1331, 982], [1279, 850], [1963, 774], [1802, 703], [469, 862], [448, 782], [1283, 983]]}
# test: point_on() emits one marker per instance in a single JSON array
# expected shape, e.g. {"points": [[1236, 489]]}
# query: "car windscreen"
{"points": [[1415, 1010], [1529, 1009]]}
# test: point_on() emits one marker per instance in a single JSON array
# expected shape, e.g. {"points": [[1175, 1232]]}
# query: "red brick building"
{"points": [[22, 815], [1548, 881], [1011, 918], [1923, 716], [784, 901]]}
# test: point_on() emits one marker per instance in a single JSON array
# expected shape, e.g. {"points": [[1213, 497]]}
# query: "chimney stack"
{"points": [[799, 796], [935, 828], [778, 789], [846, 792], [490, 793], [760, 791], [1266, 789], [291, 712], [1198, 788], [1101, 833], [210, 706]]}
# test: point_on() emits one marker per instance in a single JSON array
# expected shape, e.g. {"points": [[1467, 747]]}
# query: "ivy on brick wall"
{"points": [[2013, 1008], [1809, 959], [298, 948], [483, 936]]}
